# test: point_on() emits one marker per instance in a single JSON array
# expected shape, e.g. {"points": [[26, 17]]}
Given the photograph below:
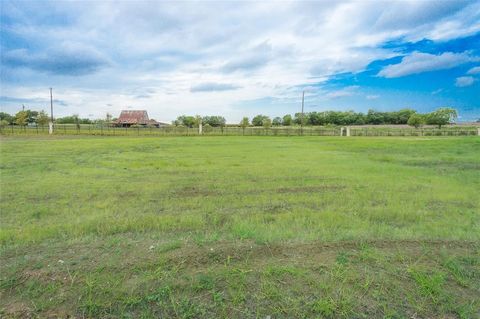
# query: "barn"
{"points": [[128, 118]]}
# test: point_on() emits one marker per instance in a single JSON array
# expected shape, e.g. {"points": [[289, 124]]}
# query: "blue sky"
{"points": [[239, 58]]}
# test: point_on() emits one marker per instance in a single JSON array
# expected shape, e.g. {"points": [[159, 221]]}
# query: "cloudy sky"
{"points": [[239, 58]]}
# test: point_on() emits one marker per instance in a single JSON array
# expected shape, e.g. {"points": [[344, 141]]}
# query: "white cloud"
{"points": [[159, 55], [210, 87], [419, 62], [464, 22], [475, 70], [347, 91], [464, 81], [372, 97]]}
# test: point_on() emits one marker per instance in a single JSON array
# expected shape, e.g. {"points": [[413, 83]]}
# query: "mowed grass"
{"points": [[240, 227]]}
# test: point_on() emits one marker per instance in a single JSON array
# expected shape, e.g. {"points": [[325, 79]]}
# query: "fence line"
{"points": [[86, 129]]}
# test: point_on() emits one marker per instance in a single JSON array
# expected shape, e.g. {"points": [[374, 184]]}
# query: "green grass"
{"points": [[240, 227]]}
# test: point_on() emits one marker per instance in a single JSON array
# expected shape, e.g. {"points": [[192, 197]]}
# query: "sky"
{"points": [[239, 59]]}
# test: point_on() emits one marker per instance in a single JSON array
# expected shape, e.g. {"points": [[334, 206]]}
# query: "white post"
{"points": [[348, 131], [200, 129], [50, 128], [478, 131]]}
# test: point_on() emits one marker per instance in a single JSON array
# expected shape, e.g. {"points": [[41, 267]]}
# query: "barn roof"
{"points": [[133, 117]]}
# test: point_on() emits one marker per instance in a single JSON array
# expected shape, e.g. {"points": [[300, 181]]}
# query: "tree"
{"points": [[21, 118], [214, 121], [188, 121], [7, 117], [403, 116], [441, 116], [108, 118], [266, 123], [207, 128], [65, 120], [416, 120], [315, 118], [287, 120], [74, 119], [374, 117], [297, 119], [244, 122], [277, 121], [258, 120], [42, 118], [31, 116]]}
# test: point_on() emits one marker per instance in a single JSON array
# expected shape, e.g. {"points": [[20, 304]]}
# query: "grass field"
{"points": [[240, 227]]}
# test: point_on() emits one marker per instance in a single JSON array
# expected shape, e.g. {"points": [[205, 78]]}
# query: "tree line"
{"points": [[26, 117], [194, 121], [439, 117]]}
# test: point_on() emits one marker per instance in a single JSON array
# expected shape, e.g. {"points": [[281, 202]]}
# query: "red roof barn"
{"points": [[128, 118]]}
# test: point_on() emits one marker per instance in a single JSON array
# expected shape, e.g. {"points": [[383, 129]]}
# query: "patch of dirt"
{"points": [[440, 204], [220, 252], [191, 191], [16, 309], [310, 189]]}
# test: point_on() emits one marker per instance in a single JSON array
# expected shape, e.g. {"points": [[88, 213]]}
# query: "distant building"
{"points": [[140, 117], [128, 118]]}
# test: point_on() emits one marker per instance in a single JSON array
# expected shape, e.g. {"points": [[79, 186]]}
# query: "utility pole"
{"points": [[23, 107], [50, 125], [51, 106], [301, 118]]}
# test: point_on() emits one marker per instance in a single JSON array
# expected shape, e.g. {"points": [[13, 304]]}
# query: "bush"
{"points": [[207, 128], [416, 120], [259, 120]]}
